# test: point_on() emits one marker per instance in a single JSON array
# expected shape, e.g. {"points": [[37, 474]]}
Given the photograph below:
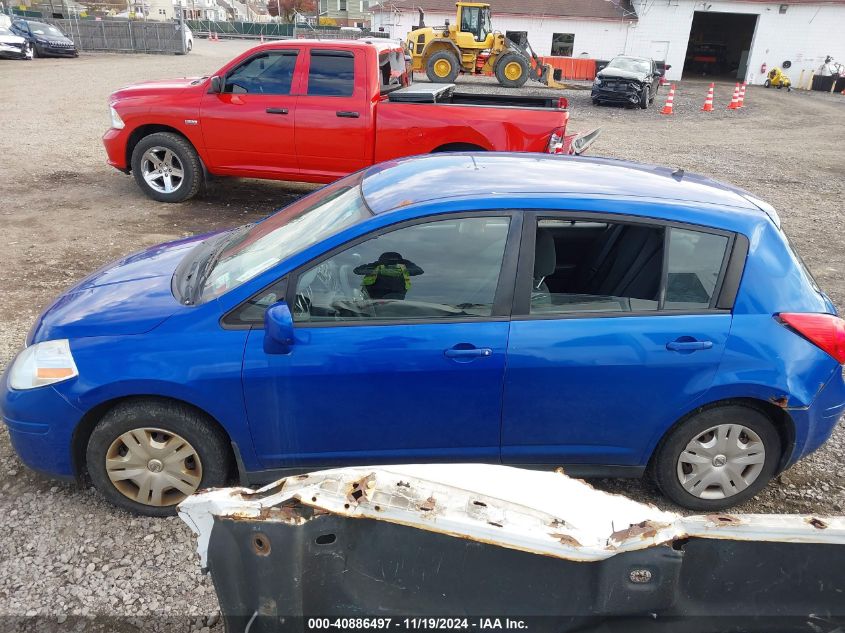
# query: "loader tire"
{"points": [[442, 67], [512, 70]]}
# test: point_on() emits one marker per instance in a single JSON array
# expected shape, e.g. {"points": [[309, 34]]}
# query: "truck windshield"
{"points": [[248, 253]]}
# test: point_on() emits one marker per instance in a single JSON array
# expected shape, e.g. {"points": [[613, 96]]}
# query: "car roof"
{"points": [[399, 183], [380, 44]]}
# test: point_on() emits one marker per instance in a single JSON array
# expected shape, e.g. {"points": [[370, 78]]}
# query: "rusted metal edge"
{"points": [[539, 512]]}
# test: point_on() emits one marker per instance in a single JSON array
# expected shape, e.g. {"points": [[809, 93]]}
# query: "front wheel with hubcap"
{"points": [[166, 167], [147, 456], [644, 98], [717, 458], [442, 67], [512, 70]]}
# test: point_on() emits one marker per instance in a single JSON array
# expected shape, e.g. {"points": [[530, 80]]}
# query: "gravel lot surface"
{"points": [[64, 551]]}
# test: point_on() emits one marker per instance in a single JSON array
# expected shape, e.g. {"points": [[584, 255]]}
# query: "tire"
{"points": [[767, 84], [173, 150], [596, 102], [35, 52], [507, 67], [437, 65], [644, 98], [666, 466], [190, 46], [208, 466]]}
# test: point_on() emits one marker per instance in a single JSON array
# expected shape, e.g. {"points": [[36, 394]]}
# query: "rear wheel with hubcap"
{"points": [[717, 458], [167, 167], [147, 456]]}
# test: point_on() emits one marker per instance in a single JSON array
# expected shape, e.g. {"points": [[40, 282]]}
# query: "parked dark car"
{"points": [[14, 46], [628, 80], [46, 40]]}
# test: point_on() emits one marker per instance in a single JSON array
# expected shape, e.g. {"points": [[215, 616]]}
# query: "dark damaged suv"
{"points": [[628, 80]]}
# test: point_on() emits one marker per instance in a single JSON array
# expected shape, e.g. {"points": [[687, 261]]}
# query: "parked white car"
{"points": [[14, 46]]}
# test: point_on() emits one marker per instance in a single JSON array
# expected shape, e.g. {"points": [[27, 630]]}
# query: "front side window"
{"points": [[269, 73], [293, 229], [331, 74], [587, 266], [447, 269]]}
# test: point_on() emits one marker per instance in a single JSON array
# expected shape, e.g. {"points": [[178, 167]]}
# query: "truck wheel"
{"points": [[442, 67], [146, 456], [166, 167], [717, 458], [512, 70]]}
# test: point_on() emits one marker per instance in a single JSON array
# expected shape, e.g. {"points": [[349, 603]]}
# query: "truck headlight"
{"points": [[116, 122], [43, 364]]}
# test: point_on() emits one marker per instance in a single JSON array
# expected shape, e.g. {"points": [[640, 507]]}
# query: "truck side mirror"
{"points": [[278, 329], [215, 86]]}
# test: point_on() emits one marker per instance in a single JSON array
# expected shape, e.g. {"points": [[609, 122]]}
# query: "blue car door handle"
{"points": [[467, 353], [688, 345]]}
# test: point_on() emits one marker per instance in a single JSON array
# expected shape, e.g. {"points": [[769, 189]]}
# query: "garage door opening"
{"points": [[719, 44]]}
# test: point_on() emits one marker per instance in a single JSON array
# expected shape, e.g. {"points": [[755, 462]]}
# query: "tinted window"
{"points": [[443, 269], [270, 73], [596, 267], [331, 74], [693, 267]]}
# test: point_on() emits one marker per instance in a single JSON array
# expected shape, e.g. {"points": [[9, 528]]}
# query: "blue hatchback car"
{"points": [[612, 318]]}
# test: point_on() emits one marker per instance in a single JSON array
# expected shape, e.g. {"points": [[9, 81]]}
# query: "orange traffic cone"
{"points": [[670, 101], [734, 99], [741, 95], [708, 102]]}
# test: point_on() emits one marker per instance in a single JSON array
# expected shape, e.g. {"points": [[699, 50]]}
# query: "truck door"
{"points": [[334, 124], [249, 126]]}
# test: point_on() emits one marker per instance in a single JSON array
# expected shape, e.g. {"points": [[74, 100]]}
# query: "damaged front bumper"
{"points": [[476, 541], [617, 92]]}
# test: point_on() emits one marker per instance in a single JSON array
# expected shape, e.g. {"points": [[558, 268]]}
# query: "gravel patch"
{"points": [[66, 553]]}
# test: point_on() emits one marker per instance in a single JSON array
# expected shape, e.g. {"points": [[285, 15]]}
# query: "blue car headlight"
{"points": [[43, 364]]}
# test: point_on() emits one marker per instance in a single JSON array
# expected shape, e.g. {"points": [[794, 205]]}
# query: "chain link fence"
{"points": [[125, 36]]}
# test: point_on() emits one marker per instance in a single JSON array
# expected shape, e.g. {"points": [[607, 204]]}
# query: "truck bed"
{"points": [[447, 94]]}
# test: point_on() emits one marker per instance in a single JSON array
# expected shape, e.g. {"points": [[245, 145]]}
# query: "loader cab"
{"points": [[474, 25]]}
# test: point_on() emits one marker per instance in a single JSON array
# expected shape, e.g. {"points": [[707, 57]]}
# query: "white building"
{"points": [[747, 33]]}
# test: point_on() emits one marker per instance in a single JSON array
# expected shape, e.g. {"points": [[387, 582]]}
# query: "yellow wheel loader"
{"points": [[471, 46]]}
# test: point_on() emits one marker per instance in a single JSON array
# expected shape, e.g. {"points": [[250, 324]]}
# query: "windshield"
{"points": [[629, 64], [250, 252], [45, 29]]}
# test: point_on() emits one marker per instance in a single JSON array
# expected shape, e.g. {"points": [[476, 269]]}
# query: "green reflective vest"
{"points": [[389, 270]]}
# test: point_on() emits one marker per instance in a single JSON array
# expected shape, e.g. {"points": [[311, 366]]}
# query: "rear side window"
{"points": [[588, 266], [332, 73], [693, 267]]}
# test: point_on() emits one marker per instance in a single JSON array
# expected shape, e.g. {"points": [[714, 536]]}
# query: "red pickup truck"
{"points": [[312, 111]]}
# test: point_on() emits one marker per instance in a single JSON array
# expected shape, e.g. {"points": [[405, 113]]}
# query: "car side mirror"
{"points": [[278, 329], [215, 86]]}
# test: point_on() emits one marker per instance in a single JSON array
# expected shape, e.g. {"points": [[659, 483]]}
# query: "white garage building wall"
{"points": [[805, 34]]}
